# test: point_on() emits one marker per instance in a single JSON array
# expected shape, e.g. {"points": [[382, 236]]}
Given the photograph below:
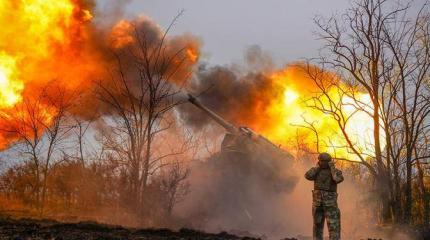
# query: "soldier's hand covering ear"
{"points": [[336, 174]]}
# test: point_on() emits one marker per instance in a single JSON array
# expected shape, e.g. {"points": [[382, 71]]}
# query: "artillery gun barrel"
{"points": [[228, 126], [252, 143]]}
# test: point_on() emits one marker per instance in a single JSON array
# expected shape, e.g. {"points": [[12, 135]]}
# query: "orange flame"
{"points": [[192, 55], [41, 42], [11, 87], [284, 119], [55, 42]]}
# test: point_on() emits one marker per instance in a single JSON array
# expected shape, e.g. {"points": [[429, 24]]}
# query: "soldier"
{"points": [[324, 206]]}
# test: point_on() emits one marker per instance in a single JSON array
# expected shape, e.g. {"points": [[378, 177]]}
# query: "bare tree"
{"points": [[39, 124], [139, 97], [383, 52], [409, 55], [174, 185], [80, 132]]}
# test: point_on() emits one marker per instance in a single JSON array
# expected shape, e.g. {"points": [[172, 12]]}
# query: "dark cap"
{"points": [[324, 157]]}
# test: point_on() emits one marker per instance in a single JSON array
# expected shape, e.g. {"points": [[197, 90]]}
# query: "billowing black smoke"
{"points": [[239, 94]]}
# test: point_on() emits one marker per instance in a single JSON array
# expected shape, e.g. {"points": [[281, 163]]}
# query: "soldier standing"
{"points": [[324, 206]]}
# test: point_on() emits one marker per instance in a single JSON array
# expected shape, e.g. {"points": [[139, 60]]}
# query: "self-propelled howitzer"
{"points": [[243, 144]]}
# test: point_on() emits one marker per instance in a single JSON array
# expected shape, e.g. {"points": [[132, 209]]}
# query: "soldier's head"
{"points": [[324, 159]]}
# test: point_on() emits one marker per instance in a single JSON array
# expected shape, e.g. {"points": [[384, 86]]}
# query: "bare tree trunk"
{"points": [[408, 193], [383, 179], [398, 214], [424, 195]]}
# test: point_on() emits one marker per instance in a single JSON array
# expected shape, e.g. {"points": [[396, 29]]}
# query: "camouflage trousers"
{"points": [[324, 207]]}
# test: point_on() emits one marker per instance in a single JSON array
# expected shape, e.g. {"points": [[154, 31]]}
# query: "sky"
{"points": [[283, 28]]}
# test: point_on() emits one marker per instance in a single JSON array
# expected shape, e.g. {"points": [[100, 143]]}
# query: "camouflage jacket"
{"points": [[325, 179], [322, 198]]}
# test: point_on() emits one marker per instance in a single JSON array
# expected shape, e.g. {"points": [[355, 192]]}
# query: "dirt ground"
{"points": [[31, 229], [28, 229]]}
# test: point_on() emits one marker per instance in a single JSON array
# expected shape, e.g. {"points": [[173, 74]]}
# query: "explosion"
{"points": [[56, 41], [275, 103], [10, 86], [42, 45], [51, 45], [289, 118]]}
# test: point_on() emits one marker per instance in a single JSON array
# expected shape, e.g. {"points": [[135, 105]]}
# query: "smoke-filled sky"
{"points": [[284, 28]]}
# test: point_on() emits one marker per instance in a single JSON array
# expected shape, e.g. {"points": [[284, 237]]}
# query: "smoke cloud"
{"points": [[227, 195], [236, 95], [234, 193]]}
